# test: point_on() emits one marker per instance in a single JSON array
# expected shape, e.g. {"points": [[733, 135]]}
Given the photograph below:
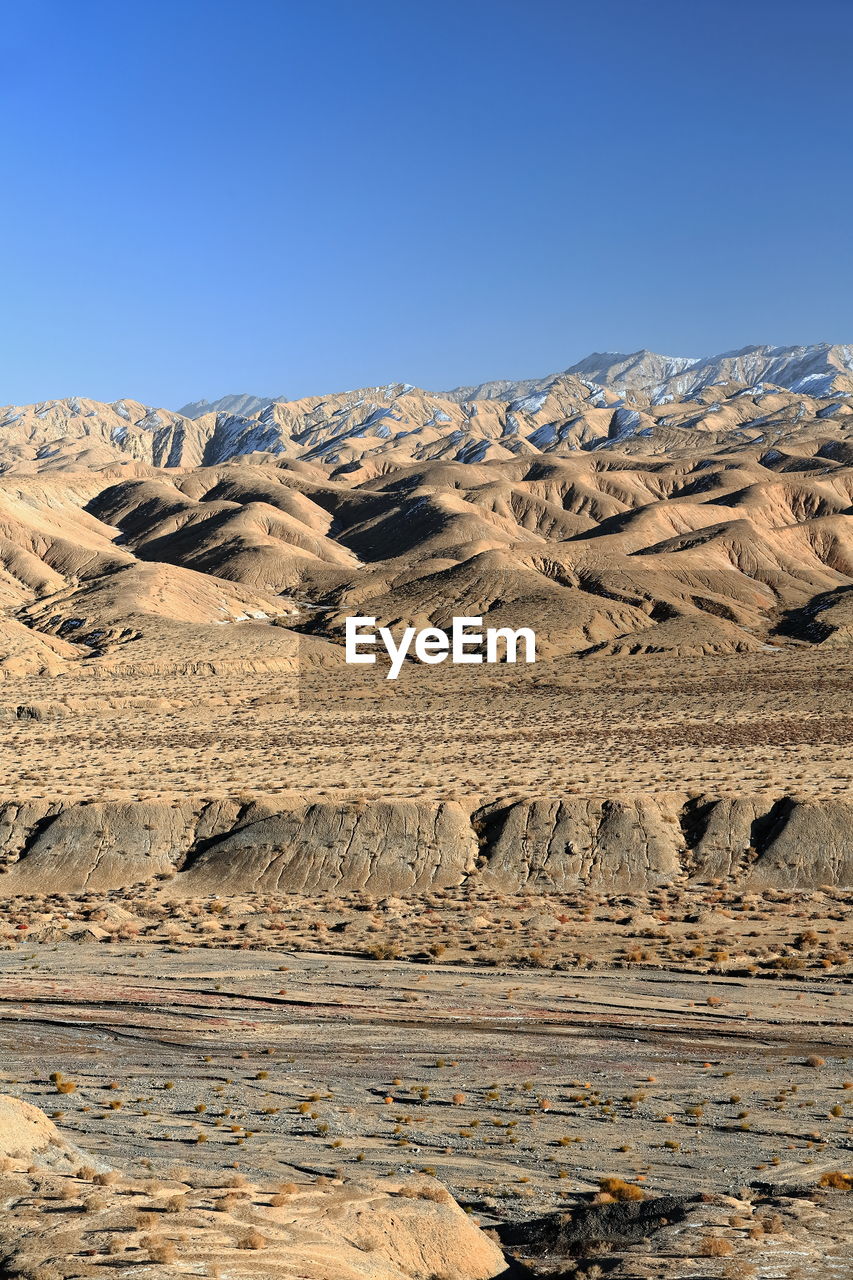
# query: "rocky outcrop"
{"points": [[406, 847], [626, 843], [103, 845], [719, 834], [392, 847], [381, 1229], [28, 1137], [413, 1235], [810, 843], [783, 844], [618, 844]]}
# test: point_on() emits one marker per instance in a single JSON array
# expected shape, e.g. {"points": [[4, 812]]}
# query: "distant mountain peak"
{"points": [[643, 375], [650, 376], [244, 404]]}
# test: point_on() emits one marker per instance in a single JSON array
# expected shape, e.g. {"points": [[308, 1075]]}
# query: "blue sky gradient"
{"points": [[294, 197]]}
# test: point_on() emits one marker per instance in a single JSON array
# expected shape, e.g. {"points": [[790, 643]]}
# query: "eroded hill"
{"points": [[601, 553]]}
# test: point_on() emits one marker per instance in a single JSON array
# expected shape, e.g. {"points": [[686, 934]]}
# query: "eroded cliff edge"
{"points": [[406, 847]]}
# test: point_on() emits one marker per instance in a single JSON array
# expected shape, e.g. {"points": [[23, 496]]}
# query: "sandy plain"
{"points": [[744, 723], [524, 1049]]}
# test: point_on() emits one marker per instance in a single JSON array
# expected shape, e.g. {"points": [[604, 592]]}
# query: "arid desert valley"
{"points": [[518, 971]]}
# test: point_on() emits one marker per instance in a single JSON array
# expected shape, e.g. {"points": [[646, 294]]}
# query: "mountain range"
{"points": [[800, 397], [602, 511]]}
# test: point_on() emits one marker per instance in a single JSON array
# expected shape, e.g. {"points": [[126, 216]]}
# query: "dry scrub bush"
{"points": [[619, 1189], [160, 1250], [426, 1191], [716, 1247], [254, 1240]]}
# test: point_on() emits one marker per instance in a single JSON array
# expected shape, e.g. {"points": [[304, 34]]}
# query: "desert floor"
{"points": [[778, 722], [509, 1085], [518, 1047]]}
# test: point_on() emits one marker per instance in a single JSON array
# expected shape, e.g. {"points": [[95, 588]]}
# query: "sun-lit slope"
{"points": [[24, 653], [792, 553], [496, 585], [163, 590], [160, 618], [379, 1229], [697, 557], [47, 541], [73, 590], [252, 541], [289, 491], [46, 523]]}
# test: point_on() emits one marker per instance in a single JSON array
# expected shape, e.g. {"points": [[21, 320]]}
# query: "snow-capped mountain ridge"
{"points": [[819, 369], [648, 377], [799, 397], [242, 403], [642, 375]]}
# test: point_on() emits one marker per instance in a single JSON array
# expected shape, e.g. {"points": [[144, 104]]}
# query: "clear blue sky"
{"points": [[299, 196]]}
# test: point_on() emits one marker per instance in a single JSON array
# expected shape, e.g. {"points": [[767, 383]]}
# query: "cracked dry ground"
{"points": [[518, 1090]]}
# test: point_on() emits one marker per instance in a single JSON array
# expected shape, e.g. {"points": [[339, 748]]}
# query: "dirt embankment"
{"points": [[384, 1230], [407, 847]]}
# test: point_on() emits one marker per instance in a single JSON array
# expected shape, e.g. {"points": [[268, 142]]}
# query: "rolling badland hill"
{"points": [[631, 504]]}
